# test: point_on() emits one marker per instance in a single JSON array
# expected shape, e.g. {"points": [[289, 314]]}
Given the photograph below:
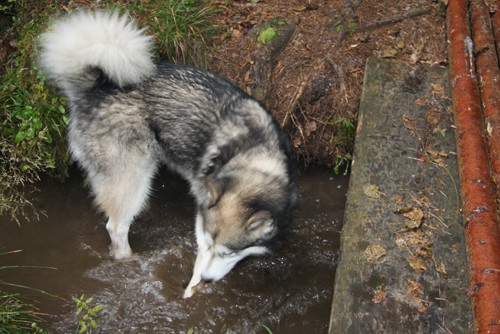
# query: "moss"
{"points": [[267, 34]]}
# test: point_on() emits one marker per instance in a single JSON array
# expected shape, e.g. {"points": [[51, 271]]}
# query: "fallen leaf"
{"points": [[299, 8], [433, 118], [310, 128], [389, 53], [414, 237], [438, 89], [424, 251], [415, 218], [398, 199], [414, 214], [417, 265], [421, 308], [379, 294], [440, 267], [374, 252], [372, 191], [414, 289], [415, 57], [421, 102], [412, 224], [409, 123]]}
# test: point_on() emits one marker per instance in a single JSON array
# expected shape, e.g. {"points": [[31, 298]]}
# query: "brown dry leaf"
{"points": [[389, 53], [437, 157], [398, 199], [401, 242], [421, 308], [310, 128], [374, 252], [438, 89], [415, 217], [379, 294], [417, 265], [300, 8], [412, 224], [433, 117], [414, 289], [416, 237], [424, 251], [236, 33], [421, 102], [440, 267], [414, 213], [433, 153], [372, 191], [409, 123]]}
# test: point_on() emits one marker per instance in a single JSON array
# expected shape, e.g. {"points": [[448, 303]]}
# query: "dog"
{"points": [[129, 115]]}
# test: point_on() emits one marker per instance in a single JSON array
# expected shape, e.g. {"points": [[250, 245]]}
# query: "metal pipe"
{"points": [[482, 230]]}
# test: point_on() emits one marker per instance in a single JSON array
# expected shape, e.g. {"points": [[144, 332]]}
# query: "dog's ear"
{"points": [[215, 189], [261, 225]]}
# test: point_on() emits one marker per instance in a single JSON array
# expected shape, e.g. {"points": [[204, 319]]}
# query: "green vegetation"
{"points": [[180, 27], [86, 314], [343, 140], [16, 314], [34, 118], [267, 34], [268, 330]]}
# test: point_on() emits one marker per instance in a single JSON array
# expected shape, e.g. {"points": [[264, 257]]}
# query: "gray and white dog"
{"points": [[129, 115]]}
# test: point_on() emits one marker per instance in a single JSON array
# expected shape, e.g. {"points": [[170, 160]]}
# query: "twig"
{"points": [[394, 19]]}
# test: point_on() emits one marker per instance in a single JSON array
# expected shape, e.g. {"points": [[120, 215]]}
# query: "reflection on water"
{"points": [[289, 291]]}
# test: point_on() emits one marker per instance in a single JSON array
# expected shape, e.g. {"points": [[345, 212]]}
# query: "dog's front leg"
{"points": [[118, 232]]}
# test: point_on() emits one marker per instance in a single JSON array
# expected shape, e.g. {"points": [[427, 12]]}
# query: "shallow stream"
{"points": [[288, 291]]}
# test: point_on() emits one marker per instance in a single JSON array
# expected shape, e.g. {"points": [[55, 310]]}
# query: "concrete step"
{"points": [[403, 265]]}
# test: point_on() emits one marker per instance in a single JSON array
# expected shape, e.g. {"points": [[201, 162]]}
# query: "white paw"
{"points": [[120, 253]]}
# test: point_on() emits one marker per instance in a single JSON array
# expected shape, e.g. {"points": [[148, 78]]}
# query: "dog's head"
{"points": [[240, 215]]}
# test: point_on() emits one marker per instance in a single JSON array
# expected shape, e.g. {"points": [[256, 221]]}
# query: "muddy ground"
{"points": [[312, 81]]}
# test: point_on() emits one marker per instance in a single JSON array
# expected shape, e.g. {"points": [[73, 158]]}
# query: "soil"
{"points": [[316, 75]]}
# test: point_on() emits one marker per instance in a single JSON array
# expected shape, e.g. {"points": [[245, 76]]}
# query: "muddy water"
{"points": [[289, 291]]}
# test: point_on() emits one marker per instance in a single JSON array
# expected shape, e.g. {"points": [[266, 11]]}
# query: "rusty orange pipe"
{"points": [[482, 231], [496, 23], [489, 80]]}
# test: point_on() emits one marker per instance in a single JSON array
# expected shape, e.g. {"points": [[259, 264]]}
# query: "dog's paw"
{"points": [[188, 293], [121, 253]]}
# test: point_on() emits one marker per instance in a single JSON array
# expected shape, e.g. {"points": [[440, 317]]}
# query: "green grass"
{"points": [[17, 315], [180, 27], [33, 120], [343, 141]]}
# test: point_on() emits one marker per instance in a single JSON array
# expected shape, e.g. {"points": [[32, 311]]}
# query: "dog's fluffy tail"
{"points": [[79, 44]]}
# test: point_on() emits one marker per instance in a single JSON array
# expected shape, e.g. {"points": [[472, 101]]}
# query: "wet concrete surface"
{"points": [[289, 291], [403, 266]]}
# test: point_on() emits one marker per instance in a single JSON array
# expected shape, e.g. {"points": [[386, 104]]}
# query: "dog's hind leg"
{"points": [[121, 193]]}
